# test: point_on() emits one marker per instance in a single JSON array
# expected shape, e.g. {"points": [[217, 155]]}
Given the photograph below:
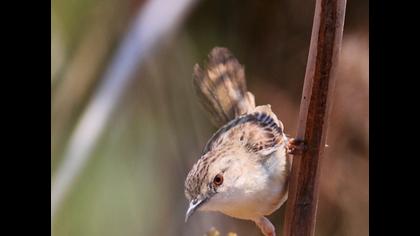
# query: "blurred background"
{"points": [[127, 127]]}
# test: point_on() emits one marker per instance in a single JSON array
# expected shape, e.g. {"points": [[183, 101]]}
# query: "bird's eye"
{"points": [[218, 180]]}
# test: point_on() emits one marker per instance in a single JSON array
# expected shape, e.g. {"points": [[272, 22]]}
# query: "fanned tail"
{"points": [[221, 87]]}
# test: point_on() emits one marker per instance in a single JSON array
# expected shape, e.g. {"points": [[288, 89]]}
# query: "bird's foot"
{"points": [[266, 227], [295, 146]]}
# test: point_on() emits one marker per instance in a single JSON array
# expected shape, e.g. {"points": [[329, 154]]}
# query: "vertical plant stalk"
{"points": [[327, 32]]}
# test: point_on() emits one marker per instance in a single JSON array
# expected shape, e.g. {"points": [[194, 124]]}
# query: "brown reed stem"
{"points": [[315, 105]]}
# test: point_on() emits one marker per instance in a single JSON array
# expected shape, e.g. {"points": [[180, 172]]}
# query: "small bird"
{"points": [[244, 168]]}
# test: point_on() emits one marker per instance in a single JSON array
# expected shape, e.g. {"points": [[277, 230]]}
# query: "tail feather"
{"points": [[221, 86]]}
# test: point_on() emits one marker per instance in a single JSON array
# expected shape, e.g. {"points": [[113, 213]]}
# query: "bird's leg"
{"points": [[295, 146], [266, 227]]}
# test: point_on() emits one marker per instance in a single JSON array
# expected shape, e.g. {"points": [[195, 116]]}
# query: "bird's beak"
{"points": [[194, 205]]}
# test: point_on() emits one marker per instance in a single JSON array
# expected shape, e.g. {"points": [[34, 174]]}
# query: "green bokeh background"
{"points": [[133, 181]]}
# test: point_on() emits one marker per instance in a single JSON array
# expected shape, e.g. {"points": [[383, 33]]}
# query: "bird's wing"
{"points": [[258, 132]]}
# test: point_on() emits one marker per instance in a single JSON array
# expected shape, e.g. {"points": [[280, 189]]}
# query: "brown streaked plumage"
{"points": [[221, 87], [256, 133], [244, 167]]}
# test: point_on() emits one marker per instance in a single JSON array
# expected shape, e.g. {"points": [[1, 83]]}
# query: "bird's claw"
{"points": [[266, 227], [295, 146]]}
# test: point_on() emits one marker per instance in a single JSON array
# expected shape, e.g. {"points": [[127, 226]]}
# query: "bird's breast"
{"points": [[263, 190]]}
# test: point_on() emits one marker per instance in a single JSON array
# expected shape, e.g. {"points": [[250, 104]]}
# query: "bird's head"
{"points": [[212, 183]]}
